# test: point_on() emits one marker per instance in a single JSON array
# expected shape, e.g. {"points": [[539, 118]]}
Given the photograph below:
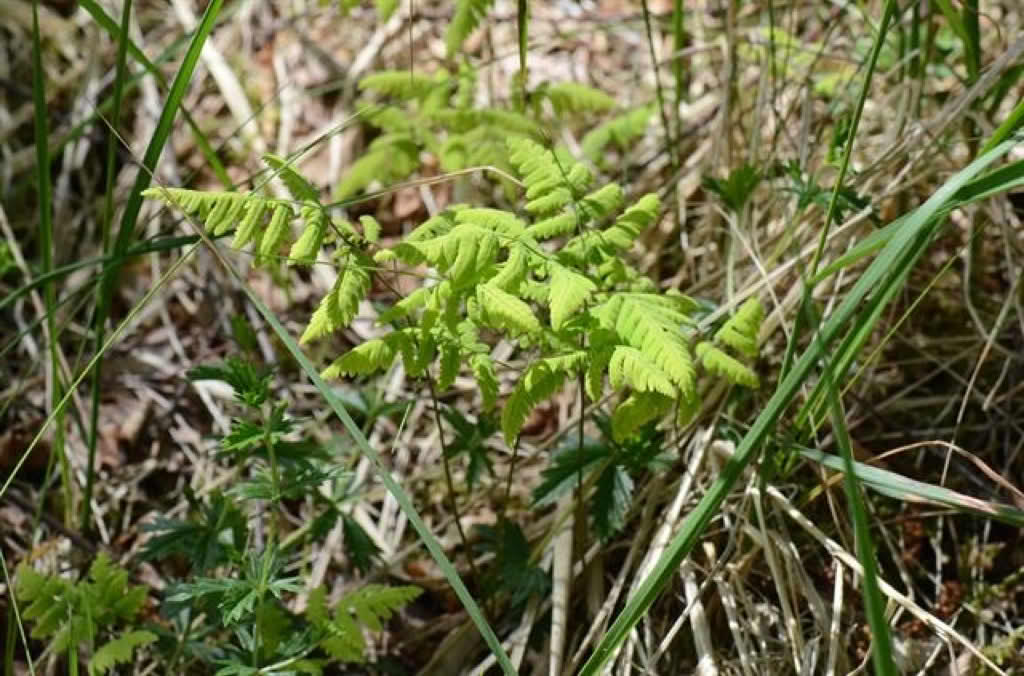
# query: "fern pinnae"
{"points": [[569, 292], [468, 15], [740, 331], [276, 232], [630, 366], [249, 229], [718, 362], [536, 385], [505, 311], [305, 249], [636, 410], [300, 189]]}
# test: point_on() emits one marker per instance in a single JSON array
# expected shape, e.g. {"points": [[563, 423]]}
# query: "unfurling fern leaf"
{"points": [[338, 308], [741, 331], [468, 15], [119, 651], [716, 361], [569, 292]]}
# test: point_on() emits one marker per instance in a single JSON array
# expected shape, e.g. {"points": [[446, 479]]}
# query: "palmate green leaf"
{"points": [[613, 495], [569, 292], [571, 461], [513, 572], [718, 362], [339, 307], [505, 311]]}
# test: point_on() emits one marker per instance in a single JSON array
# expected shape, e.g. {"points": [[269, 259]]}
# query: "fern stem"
{"points": [[454, 504]]}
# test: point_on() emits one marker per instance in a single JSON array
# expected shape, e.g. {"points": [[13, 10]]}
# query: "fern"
{"points": [[468, 15], [119, 651], [338, 308], [71, 613], [367, 608], [619, 131], [740, 332], [573, 97], [716, 361], [535, 386]]}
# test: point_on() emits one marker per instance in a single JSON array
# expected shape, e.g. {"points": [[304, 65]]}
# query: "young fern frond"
{"points": [[620, 131], [538, 384], [401, 84], [301, 189], [569, 292], [367, 607], [718, 362], [468, 15], [740, 332], [638, 409], [339, 307], [120, 650], [574, 97]]}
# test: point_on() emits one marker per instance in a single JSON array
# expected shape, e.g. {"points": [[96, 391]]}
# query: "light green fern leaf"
{"points": [[501, 222], [451, 361], [404, 84], [307, 246], [718, 362], [389, 158], [301, 189], [633, 221], [573, 97], [513, 271], [371, 228], [403, 308], [638, 409], [630, 366], [369, 357], [538, 384], [250, 229], [740, 331], [376, 603], [505, 311], [486, 379], [277, 232], [603, 201], [339, 307], [569, 292], [468, 15], [549, 202], [119, 651], [227, 208], [555, 226], [620, 131]]}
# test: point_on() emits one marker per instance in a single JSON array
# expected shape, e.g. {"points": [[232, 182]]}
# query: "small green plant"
{"points": [[96, 615], [241, 592], [557, 284]]}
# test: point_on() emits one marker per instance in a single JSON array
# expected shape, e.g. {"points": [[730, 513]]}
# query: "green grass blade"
{"points": [[126, 230], [878, 275], [900, 487], [120, 75], [202, 142], [45, 203], [874, 604]]}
